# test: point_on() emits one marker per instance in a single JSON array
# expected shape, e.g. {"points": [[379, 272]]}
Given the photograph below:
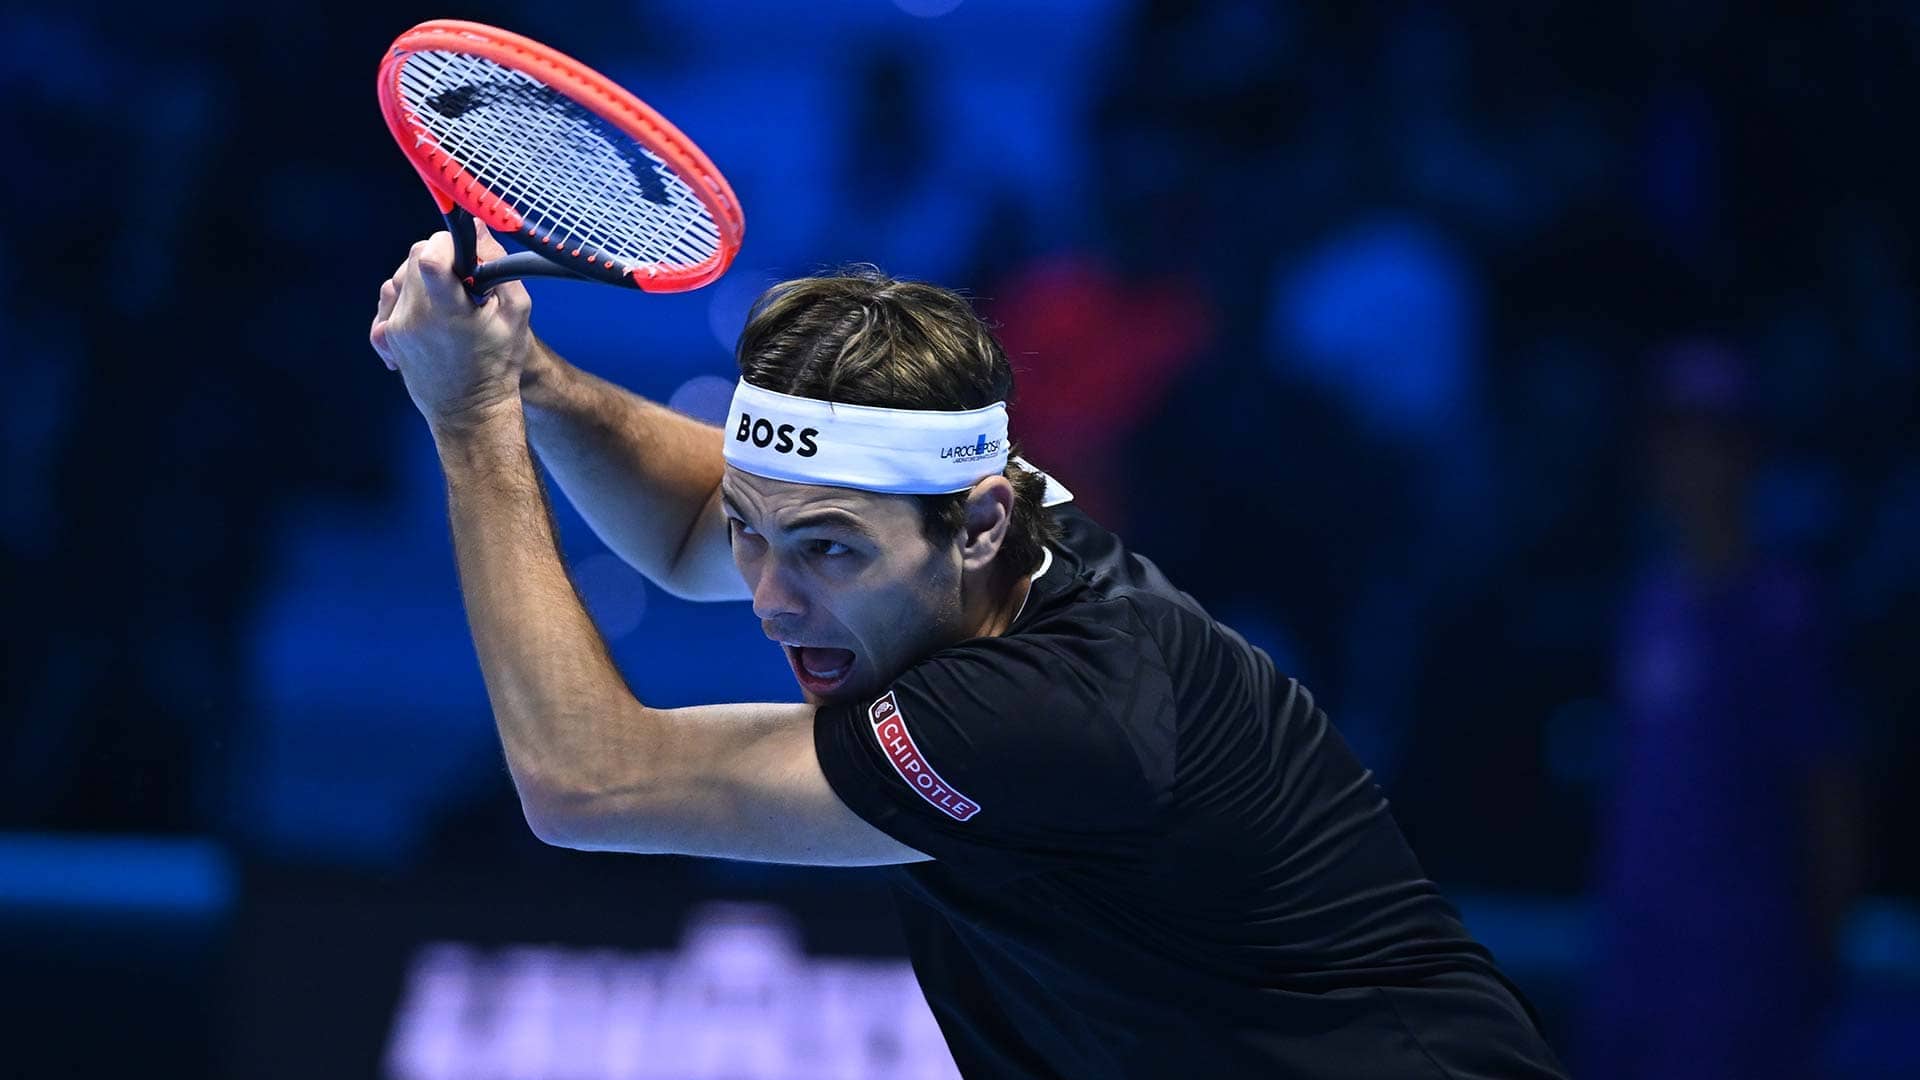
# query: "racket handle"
{"points": [[460, 227]]}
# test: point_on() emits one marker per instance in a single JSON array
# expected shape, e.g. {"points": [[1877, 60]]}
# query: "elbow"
{"points": [[680, 590], [583, 822], [556, 816], [558, 819], [682, 586], [702, 580], [553, 829]]}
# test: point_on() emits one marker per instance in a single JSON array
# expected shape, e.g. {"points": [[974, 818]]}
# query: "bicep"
{"points": [[739, 782]]}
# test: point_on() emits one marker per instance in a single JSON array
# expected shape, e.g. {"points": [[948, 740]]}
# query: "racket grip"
{"points": [[460, 227]]}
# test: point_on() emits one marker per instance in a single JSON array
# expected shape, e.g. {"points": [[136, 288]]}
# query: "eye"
{"points": [[827, 547], [740, 535]]}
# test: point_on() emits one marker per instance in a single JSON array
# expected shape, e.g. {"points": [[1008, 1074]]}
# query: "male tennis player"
{"points": [[1124, 845]]}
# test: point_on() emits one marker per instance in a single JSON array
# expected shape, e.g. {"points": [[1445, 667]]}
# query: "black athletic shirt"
{"points": [[1152, 856]]}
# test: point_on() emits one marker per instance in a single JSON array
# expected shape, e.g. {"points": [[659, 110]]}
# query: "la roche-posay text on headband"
{"points": [[896, 451]]}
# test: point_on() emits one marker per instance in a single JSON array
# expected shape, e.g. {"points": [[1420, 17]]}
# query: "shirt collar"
{"points": [[1046, 563]]}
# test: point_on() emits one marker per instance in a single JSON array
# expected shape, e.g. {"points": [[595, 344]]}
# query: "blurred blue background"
{"points": [[1540, 383]]}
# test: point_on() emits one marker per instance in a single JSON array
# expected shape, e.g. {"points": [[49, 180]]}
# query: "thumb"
{"points": [[484, 245]]}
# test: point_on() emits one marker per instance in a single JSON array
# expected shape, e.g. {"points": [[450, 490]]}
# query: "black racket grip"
{"points": [[460, 227]]}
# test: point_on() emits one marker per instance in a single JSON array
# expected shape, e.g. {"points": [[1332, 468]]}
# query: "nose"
{"points": [[773, 595]]}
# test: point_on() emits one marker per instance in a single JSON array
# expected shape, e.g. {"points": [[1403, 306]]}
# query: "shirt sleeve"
{"points": [[1030, 747]]}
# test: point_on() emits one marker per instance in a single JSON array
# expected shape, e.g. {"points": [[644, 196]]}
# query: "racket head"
{"points": [[539, 146]]}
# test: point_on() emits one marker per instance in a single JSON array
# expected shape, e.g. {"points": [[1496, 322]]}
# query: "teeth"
{"points": [[823, 676]]}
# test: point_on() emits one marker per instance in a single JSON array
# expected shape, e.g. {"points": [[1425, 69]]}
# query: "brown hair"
{"points": [[859, 337]]}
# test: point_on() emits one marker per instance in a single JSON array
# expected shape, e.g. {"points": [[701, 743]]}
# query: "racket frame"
{"points": [[461, 197]]}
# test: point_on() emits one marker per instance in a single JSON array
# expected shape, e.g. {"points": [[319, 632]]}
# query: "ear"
{"points": [[989, 515]]}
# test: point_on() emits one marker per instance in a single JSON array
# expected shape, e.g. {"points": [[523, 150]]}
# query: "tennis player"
{"points": [[1124, 845]]}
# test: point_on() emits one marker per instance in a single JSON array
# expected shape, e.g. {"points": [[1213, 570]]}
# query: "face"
{"points": [[845, 581]]}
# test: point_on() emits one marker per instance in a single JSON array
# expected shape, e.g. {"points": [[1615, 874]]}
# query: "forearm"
{"points": [[644, 476], [571, 729]]}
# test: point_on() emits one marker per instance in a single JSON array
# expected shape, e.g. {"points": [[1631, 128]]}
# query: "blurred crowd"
{"points": [[1540, 383]]}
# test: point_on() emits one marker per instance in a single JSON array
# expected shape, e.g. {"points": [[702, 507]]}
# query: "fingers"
{"points": [[510, 296], [433, 264], [423, 289], [389, 295], [513, 299], [396, 297], [484, 245], [377, 337], [382, 311], [433, 257]]}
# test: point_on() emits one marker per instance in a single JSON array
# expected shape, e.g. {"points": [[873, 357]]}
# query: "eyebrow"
{"points": [[836, 518]]}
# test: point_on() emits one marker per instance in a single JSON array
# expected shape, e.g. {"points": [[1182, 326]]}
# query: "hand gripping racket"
{"points": [[592, 182]]}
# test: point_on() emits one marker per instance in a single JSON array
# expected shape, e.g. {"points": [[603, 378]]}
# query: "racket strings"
{"points": [[588, 209], [570, 175]]}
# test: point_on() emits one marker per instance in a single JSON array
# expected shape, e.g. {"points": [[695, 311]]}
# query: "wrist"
{"points": [[482, 422], [542, 378]]}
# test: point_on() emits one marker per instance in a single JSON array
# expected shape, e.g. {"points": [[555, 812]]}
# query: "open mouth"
{"points": [[820, 670]]}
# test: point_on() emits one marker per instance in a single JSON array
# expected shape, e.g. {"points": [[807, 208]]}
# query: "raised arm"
{"points": [[594, 766], [646, 478]]}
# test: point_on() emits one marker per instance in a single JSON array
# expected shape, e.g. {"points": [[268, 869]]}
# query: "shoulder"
{"points": [[1120, 598], [1009, 739], [1090, 675], [1082, 635]]}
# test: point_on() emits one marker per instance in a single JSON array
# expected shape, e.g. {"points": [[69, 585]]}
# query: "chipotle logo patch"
{"points": [[891, 729]]}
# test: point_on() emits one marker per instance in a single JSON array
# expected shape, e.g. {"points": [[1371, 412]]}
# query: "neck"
{"points": [[1002, 598]]}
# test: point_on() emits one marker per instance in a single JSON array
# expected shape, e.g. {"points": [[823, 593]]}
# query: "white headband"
{"points": [[899, 451]]}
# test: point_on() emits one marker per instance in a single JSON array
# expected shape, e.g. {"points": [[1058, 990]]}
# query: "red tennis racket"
{"points": [[592, 182]]}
